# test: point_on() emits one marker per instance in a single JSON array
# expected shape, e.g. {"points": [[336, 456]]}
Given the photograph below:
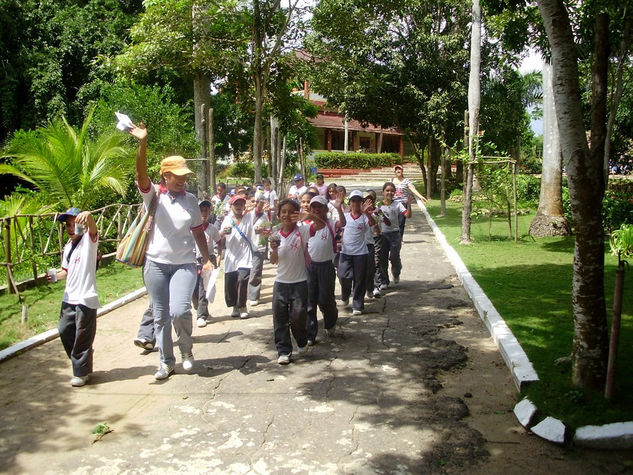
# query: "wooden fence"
{"points": [[30, 242]]}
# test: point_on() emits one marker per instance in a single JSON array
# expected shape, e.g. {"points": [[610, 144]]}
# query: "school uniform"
{"points": [[238, 259], [352, 265], [391, 242], [290, 291], [321, 278], [77, 323], [260, 242]]}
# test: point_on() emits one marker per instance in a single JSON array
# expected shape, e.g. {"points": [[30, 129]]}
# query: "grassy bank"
{"points": [[529, 283], [113, 281]]}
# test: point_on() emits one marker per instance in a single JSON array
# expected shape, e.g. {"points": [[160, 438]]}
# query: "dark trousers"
{"points": [[321, 282], [376, 257], [77, 329], [255, 279], [351, 274], [290, 303], [236, 287], [199, 299], [402, 220], [146, 328], [390, 252]]}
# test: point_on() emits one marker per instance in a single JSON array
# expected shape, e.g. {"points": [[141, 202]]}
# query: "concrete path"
{"points": [[415, 385]]}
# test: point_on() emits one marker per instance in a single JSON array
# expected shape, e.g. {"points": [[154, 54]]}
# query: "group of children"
{"points": [[317, 239]]}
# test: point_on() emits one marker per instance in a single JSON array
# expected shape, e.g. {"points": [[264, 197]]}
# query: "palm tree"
{"points": [[67, 165]]}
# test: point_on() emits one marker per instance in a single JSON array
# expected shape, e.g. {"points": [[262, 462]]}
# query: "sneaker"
{"points": [[78, 381], [164, 371], [254, 303], [187, 362], [330, 331], [377, 293], [345, 302], [283, 359], [357, 312], [310, 342], [236, 312], [384, 287], [143, 343], [243, 313], [302, 349], [202, 322], [396, 280]]}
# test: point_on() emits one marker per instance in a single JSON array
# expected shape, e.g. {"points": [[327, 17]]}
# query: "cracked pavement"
{"points": [[414, 385]]}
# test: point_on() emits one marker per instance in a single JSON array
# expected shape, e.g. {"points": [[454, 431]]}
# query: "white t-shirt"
{"points": [[81, 281], [391, 211], [354, 241], [295, 193], [402, 190], [212, 235], [292, 260], [238, 253], [321, 243], [260, 240], [271, 196], [176, 216], [220, 208]]}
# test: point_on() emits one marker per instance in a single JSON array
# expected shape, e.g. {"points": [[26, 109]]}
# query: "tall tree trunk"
{"points": [[585, 174], [258, 134], [211, 151], [474, 101], [201, 96], [549, 219]]}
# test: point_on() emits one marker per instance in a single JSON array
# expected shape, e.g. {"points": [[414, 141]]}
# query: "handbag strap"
{"points": [[248, 241]]}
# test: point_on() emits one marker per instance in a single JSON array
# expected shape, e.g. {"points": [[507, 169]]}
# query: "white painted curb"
{"points": [[49, 335], [515, 358]]}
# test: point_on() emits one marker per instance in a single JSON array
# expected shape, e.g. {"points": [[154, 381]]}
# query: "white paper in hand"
{"points": [[208, 280], [124, 121]]}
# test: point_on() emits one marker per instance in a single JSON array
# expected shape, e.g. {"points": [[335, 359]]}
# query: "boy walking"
{"points": [[78, 316]]}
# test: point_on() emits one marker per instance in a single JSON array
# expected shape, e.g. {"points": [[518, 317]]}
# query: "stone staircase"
{"points": [[373, 175]]}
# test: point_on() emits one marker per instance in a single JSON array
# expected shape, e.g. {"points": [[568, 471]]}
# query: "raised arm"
{"points": [[413, 190], [142, 178]]}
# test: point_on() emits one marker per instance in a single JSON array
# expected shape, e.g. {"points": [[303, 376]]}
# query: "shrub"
{"points": [[617, 209], [356, 160], [528, 189]]}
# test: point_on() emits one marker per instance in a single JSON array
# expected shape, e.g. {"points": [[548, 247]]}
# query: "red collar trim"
{"points": [[281, 231], [163, 189]]}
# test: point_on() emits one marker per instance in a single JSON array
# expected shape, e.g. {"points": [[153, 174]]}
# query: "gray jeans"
{"points": [[255, 278], [170, 287]]}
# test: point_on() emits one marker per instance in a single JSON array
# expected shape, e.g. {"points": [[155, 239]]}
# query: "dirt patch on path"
{"points": [[415, 385]]}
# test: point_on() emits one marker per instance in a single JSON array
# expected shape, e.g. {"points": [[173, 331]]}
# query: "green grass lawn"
{"points": [[529, 283], [113, 281]]}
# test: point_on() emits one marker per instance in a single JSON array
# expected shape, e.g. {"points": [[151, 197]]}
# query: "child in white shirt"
{"points": [[78, 316]]}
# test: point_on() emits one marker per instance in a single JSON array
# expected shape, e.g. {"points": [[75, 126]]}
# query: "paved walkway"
{"points": [[413, 386]]}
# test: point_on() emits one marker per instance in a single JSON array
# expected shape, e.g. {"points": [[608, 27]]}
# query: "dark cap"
{"points": [[69, 212]]}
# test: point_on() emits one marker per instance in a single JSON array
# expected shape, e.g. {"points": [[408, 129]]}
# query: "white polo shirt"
{"points": [[81, 281], [391, 211], [238, 254], [292, 260], [354, 241], [212, 235], [321, 243], [176, 216]]}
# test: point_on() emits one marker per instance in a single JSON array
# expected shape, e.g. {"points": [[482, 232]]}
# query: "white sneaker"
{"points": [[78, 381], [310, 342], [357, 312], [254, 303], [377, 293], [345, 302], [201, 322], [384, 287], [283, 359], [187, 362], [243, 313], [236, 312], [164, 371], [302, 349]]}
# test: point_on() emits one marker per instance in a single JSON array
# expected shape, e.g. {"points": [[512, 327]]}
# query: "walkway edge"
{"points": [[49, 335], [618, 436], [511, 351]]}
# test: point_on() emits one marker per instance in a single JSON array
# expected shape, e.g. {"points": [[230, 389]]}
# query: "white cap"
{"points": [[319, 199], [356, 194]]}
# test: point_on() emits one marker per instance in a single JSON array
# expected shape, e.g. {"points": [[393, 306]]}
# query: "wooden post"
{"points": [[514, 195], [346, 138], [203, 187], [615, 329], [211, 145], [7, 251], [30, 233]]}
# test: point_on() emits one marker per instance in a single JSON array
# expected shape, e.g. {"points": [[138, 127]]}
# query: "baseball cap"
{"points": [[356, 194], [236, 198], [298, 177], [398, 166], [204, 203], [69, 212], [176, 165], [319, 199], [319, 175]]}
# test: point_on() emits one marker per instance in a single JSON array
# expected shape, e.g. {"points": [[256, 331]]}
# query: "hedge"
{"points": [[356, 160]]}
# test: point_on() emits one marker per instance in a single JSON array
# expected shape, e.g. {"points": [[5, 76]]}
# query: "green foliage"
{"points": [[242, 169], [355, 160], [66, 165], [528, 190], [621, 241], [617, 209]]}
